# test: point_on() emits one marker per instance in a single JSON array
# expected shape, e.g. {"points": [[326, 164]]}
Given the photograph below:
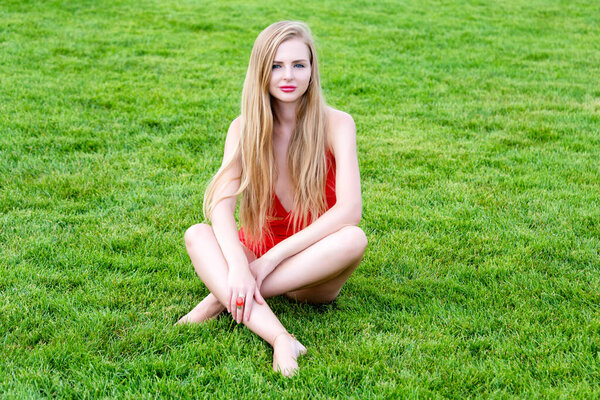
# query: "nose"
{"points": [[289, 73]]}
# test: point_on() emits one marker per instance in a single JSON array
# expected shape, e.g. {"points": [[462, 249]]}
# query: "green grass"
{"points": [[479, 140]]}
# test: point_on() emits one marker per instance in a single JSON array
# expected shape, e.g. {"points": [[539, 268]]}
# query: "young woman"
{"points": [[292, 161]]}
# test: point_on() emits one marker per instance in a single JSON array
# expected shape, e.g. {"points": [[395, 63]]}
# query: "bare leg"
{"points": [[208, 308], [211, 266], [315, 275]]}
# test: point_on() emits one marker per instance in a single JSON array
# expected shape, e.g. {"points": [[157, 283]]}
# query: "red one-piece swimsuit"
{"points": [[280, 222]]}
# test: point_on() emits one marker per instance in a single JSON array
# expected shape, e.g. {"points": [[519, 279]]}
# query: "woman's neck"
{"points": [[284, 117]]}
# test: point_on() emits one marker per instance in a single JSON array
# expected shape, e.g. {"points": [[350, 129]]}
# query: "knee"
{"points": [[353, 241], [196, 233]]}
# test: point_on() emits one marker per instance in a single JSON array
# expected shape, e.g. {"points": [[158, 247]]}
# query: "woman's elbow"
{"points": [[356, 216], [353, 214]]}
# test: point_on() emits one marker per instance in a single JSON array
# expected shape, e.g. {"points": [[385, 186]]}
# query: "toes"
{"points": [[288, 353], [287, 372], [303, 350], [300, 349]]}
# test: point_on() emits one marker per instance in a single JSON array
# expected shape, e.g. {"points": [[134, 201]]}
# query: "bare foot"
{"points": [[207, 309], [286, 349]]}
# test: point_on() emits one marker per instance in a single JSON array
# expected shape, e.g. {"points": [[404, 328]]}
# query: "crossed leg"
{"points": [[314, 275], [317, 274]]}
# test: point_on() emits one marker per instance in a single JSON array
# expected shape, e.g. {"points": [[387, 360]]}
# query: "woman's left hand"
{"points": [[261, 268]]}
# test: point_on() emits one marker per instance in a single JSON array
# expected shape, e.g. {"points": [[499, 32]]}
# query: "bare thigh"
{"points": [[317, 273]]}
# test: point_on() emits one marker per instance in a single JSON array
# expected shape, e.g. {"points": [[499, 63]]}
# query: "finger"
{"points": [[248, 306], [256, 293], [232, 300], [228, 305], [259, 298], [233, 306], [238, 310]]}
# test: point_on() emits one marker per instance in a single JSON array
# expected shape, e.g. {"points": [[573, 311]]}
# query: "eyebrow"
{"points": [[295, 61]]}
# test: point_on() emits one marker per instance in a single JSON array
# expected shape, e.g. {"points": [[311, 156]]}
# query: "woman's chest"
{"points": [[284, 189]]}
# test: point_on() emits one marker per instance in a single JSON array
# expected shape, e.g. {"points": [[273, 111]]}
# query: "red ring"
{"points": [[239, 301]]}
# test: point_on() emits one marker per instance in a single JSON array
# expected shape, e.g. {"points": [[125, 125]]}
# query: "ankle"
{"points": [[281, 334]]}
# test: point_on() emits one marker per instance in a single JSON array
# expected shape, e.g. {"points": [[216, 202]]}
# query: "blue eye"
{"points": [[299, 65], [276, 66]]}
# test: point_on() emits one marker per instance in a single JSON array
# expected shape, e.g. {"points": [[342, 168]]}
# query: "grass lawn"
{"points": [[479, 144]]}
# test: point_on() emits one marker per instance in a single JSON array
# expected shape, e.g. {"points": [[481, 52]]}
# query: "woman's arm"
{"points": [[348, 207], [240, 280], [222, 217]]}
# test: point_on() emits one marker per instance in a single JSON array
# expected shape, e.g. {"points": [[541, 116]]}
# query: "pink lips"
{"points": [[287, 89]]}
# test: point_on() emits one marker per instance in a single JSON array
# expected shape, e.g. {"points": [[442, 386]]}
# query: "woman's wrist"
{"points": [[237, 261], [237, 268], [274, 257]]}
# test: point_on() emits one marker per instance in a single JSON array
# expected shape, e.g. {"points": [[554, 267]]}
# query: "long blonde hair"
{"points": [[307, 148]]}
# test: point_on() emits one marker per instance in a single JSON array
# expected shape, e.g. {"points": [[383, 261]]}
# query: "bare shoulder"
{"points": [[233, 133], [232, 140], [340, 126], [339, 119], [235, 126]]}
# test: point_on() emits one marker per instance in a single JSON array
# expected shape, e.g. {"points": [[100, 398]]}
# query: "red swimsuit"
{"points": [[280, 222]]}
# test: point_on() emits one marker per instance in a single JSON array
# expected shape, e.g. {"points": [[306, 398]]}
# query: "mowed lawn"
{"points": [[479, 144]]}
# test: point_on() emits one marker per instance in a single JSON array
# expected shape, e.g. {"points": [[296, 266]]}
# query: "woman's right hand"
{"points": [[260, 269], [240, 282]]}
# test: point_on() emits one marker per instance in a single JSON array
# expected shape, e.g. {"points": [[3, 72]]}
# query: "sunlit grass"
{"points": [[478, 133]]}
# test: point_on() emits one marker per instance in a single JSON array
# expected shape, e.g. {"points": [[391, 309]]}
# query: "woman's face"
{"points": [[291, 71]]}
